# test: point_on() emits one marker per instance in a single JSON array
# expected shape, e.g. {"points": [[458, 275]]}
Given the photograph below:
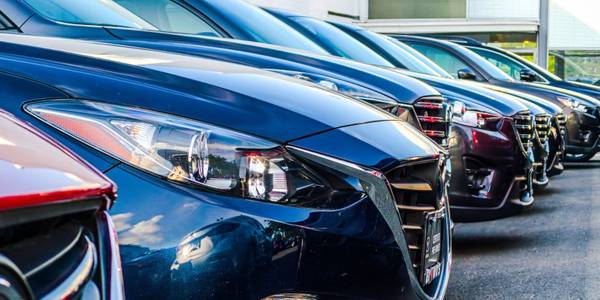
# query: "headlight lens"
{"points": [[180, 149], [477, 119], [572, 104]]}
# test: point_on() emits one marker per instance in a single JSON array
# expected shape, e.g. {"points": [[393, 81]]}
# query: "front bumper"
{"points": [[358, 251], [491, 173], [583, 132]]}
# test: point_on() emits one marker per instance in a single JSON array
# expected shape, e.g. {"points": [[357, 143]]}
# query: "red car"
{"points": [[57, 240]]}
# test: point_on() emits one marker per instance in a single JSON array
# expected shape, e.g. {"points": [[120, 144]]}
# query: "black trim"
{"points": [[48, 211], [6, 23], [343, 15], [203, 17]]}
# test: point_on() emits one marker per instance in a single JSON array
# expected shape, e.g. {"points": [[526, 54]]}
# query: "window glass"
{"points": [[417, 9], [408, 60], [431, 64], [343, 43], [169, 16], [91, 12], [509, 66], [443, 58], [5, 23], [264, 27]]}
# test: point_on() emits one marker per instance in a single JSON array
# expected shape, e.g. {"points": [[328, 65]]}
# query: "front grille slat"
{"points": [[434, 118], [524, 124], [57, 257], [543, 124], [561, 120]]}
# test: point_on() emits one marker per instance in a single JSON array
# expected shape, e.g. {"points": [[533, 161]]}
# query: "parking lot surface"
{"points": [[551, 251]]}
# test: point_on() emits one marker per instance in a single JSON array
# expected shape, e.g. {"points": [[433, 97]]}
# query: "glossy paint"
{"points": [[37, 171], [502, 194], [393, 85], [179, 241], [42, 179], [549, 78]]}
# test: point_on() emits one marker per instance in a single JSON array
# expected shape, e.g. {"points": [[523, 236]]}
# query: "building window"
{"points": [[417, 9]]}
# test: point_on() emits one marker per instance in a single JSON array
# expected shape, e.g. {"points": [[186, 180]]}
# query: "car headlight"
{"points": [[473, 118], [182, 150], [572, 104], [347, 88]]}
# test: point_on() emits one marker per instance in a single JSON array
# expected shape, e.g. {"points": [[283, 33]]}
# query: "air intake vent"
{"points": [[524, 124], [419, 194], [433, 114], [561, 120]]}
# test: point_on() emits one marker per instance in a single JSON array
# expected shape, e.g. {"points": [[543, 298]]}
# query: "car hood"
{"points": [[535, 104], [584, 88], [397, 86], [378, 145], [473, 96], [232, 96], [552, 93]]}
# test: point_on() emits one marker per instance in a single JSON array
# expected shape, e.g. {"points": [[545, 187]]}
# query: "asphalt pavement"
{"points": [[552, 251]]}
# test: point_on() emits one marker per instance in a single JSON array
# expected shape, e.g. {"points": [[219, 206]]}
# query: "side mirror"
{"points": [[527, 75], [466, 74]]}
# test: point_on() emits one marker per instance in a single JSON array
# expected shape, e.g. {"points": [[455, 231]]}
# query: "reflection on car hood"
{"points": [[249, 100], [377, 145], [535, 104], [473, 96], [557, 92], [388, 82]]}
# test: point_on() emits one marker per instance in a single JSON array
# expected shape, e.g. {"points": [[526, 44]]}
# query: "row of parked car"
{"points": [[259, 154]]}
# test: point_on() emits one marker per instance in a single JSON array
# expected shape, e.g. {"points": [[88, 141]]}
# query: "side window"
{"points": [[443, 58], [5, 23], [507, 65], [167, 15]]}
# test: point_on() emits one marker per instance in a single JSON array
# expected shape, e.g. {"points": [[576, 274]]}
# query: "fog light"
{"points": [[292, 296]]}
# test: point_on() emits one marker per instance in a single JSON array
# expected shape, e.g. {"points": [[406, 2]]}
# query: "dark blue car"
{"points": [[236, 183]]}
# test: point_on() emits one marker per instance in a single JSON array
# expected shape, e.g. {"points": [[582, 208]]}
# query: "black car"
{"points": [[522, 69], [582, 112]]}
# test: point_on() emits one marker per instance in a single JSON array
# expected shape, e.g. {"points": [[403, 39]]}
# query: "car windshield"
{"points": [[265, 28], [169, 16], [408, 60], [418, 55], [89, 12], [485, 65], [343, 43]]}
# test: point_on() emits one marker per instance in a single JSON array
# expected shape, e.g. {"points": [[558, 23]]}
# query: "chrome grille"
{"points": [[543, 124], [434, 118], [561, 120], [524, 124], [418, 188], [56, 253]]}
